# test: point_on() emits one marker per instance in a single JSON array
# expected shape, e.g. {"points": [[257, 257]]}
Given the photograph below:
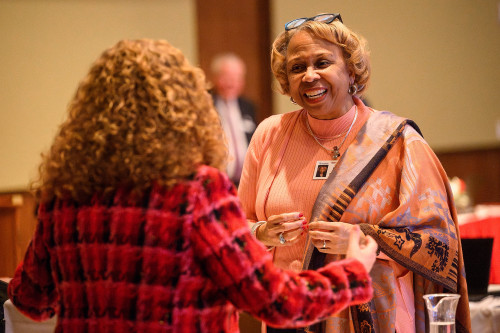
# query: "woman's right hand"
{"points": [[290, 225], [365, 251]]}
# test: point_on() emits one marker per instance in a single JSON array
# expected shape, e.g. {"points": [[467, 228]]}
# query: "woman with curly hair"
{"points": [[381, 175], [139, 230]]}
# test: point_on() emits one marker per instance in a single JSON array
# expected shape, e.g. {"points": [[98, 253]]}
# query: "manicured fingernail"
{"points": [[300, 215]]}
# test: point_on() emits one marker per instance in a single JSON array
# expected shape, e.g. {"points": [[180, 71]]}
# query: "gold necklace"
{"points": [[335, 151]]}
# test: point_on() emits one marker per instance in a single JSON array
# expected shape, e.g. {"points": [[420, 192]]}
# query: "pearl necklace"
{"points": [[335, 151]]}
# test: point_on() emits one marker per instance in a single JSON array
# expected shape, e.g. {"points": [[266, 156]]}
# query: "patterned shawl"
{"points": [[391, 183]]}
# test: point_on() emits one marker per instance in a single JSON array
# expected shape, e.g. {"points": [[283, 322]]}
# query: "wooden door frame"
{"points": [[241, 27]]}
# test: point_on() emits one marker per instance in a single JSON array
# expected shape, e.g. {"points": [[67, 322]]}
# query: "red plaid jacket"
{"points": [[178, 260]]}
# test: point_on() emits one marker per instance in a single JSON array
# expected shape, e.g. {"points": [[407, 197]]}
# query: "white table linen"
{"points": [[16, 322]]}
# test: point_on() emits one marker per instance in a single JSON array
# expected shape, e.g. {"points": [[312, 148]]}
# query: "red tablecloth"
{"points": [[487, 227]]}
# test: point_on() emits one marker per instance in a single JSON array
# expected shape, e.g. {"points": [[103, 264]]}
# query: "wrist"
{"points": [[255, 228]]}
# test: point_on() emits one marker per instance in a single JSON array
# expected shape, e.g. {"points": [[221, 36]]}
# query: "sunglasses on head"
{"points": [[325, 18]]}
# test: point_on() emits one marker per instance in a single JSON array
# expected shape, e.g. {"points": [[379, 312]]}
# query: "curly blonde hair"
{"points": [[142, 115], [354, 47]]}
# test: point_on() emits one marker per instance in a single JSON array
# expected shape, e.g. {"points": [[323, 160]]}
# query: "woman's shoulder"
{"points": [[206, 182], [275, 123], [410, 133], [384, 115], [276, 119], [208, 172], [388, 119], [213, 179]]}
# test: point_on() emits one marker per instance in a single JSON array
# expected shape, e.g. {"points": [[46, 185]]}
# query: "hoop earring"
{"points": [[353, 89], [291, 100]]}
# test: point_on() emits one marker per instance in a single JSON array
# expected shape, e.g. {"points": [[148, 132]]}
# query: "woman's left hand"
{"points": [[330, 237]]}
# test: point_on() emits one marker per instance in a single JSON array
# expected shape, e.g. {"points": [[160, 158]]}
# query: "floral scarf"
{"points": [[391, 183]]}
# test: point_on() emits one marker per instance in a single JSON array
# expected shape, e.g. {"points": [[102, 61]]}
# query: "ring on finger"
{"points": [[324, 244], [282, 239]]}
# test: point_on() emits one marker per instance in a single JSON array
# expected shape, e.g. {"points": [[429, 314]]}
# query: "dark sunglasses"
{"points": [[325, 18]]}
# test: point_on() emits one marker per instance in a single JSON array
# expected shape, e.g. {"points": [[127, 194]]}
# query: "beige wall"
{"points": [[47, 46], [434, 61]]}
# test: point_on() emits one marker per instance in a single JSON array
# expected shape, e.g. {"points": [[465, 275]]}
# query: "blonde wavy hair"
{"points": [[142, 115], [354, 47]]}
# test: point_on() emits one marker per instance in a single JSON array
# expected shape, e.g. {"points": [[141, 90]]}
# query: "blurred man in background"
{"points": [[237, 113]]}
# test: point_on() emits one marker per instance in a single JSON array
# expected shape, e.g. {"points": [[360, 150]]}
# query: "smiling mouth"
{"points": [[315, 93]]}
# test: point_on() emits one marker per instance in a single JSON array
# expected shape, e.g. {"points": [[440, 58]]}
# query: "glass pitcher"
{"points": [[441, 309]]}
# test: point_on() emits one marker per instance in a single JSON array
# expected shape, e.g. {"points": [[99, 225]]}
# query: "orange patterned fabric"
{"points": [[407, 207]]}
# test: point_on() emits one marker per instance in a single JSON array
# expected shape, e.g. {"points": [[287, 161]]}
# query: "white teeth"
{"points": [[315, 93]]}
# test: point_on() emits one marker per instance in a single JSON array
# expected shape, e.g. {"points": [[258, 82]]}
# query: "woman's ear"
{"points": [[350, 72], [352, 76]]}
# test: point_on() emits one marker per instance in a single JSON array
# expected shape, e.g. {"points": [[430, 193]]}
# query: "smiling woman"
{"points": [[382, 175]]}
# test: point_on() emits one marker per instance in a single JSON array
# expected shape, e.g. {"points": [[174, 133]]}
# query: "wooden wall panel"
{"points": [[17, 225], [7, 242], [241, 27], [479, 168]]}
